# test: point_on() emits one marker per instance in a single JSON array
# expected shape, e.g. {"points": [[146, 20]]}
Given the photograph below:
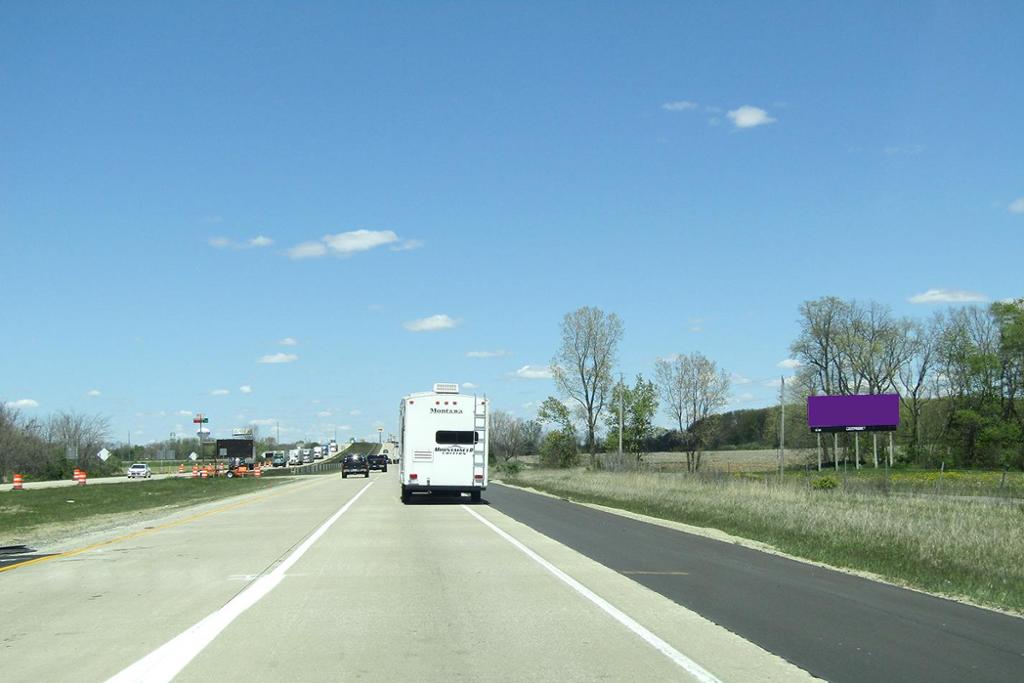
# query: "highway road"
{"points": [[332, 579]]}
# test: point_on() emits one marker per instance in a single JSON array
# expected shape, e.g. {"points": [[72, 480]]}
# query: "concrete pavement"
{"points": [[386, 592]]}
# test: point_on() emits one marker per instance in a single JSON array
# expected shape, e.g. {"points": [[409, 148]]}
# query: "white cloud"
{"points": [[278, 358], [245, 389], [219, 392], [1016, 206], [184, 412], [308, 250], [534, 372], [264, 422], [225, 243], [345, 428], [745, 397], [908, 150], [469, 385], [355, 412], [528, 404], [749, 117], [23, 403], [788, 363], [774, 383], [696, 325], [947, 296], [737, 378], [431, 323], [345, 243], [324, 413], [93, 392], [679, 105], [408, 245], [288, 341], [486, 354]]}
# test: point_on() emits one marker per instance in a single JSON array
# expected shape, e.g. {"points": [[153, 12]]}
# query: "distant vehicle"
{"points": [[307, 457], [333, 446], [279, 459], [237, 453], [318, 452], [294, 457], [378, 461], [355, 463], [268, 455], [442, 444], [139, 469]]}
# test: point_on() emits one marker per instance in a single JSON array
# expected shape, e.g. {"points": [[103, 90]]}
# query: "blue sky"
{"points": [[177, 182]]}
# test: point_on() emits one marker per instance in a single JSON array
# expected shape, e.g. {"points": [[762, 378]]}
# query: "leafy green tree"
{"points": [[639, 406], [558, 447]]}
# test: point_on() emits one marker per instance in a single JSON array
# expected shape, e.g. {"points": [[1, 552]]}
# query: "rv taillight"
{"points": [[412, 476], [478, 476]]}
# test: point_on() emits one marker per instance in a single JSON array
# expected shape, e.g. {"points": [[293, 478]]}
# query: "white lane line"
{"points": [[167, 661], [691, 667]]}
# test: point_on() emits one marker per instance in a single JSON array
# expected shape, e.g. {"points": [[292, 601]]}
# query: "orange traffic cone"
{"points": [[259, 471], [81, 478], [18, 483], [181, 468], [195, 471], [203, 473]]}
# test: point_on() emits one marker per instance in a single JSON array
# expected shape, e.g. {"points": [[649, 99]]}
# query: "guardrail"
{"points": [[298, 470]]}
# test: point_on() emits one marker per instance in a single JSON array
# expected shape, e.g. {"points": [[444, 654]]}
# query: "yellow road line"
{"points": [[143, 532]]}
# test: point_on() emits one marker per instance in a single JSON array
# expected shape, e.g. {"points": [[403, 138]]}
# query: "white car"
{"points": [[139, 469]]}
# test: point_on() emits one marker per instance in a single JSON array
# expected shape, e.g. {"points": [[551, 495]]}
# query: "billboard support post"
{"points": [[890, 449], [819, 451], [835, 449], [874, 439], [856, 451]]}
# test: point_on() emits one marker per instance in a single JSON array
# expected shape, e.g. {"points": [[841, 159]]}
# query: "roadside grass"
{"points": [[23, 511], [953, 546]]}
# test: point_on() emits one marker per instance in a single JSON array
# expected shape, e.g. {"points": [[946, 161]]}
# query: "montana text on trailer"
{"points": [[443, 442]]}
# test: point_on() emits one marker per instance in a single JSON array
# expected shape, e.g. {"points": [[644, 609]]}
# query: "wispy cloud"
{"points": [[354, 241], [486, 354], [264, 422], [1016, 206], [469, 385], [184, 412], [679, 105], [23, 403], [788, 363], [219, 392], [245, 389], [324, 413], [696, 325], [745, 397], [252, 243], [288, 341], [737, 378], [278, 358], [431, 323], [407, 245], [749, 117], [947, 296], [355, 412], [534, 372], [93, 392]]}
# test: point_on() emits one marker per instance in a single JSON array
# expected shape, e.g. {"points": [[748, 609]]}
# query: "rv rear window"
{"points": [[456, 438]]}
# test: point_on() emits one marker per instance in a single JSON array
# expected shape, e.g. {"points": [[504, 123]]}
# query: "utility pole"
{"points": [[782, 428], [278, 425], [621, 391]]}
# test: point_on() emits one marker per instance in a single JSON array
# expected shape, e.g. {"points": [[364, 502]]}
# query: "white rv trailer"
{"points": [[442, 442]]}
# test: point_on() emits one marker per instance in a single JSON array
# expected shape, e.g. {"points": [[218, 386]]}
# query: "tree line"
{"points": [[959, 375]]}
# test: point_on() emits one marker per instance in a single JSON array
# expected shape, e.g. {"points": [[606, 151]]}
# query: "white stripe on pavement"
{"points": [[691, 667], [164, 663]]}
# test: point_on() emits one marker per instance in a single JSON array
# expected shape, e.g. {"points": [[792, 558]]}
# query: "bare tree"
{"points": [[702, 389], [668, 374], [582, 368], [915, 376], [80, 435], [818, 348]]}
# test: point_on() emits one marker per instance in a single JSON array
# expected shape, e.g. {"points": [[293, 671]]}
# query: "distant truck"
{"points": [[239, 453], [294, 457], [442, 445]]}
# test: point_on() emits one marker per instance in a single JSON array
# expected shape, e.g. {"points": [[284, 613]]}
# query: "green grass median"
{"points": [[942, 544], [21, 512]]}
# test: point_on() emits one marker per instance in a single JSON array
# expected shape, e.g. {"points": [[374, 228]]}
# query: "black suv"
{"points": [[355, 464], [378, 461]]}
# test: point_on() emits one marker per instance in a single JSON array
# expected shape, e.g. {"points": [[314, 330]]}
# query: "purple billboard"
{"points": [[877, 412]]}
